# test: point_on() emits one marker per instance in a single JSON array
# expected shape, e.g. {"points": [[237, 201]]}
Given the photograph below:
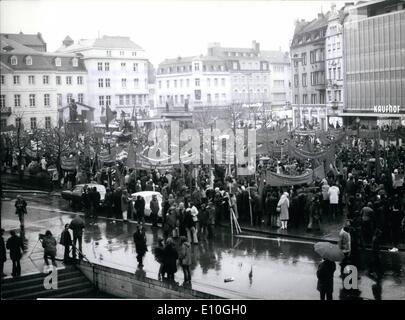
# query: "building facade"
{"points": [[35, 85], [308, 73], [374, 55], [117, 74]]}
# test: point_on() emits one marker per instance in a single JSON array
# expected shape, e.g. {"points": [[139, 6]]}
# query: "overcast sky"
{"points": [[165, 29]]}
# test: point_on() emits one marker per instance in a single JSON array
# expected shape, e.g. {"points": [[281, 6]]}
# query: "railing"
{"points": [[83, 256]]}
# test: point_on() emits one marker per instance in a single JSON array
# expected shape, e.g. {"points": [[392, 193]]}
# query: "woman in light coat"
{"points": [[283, 205]]}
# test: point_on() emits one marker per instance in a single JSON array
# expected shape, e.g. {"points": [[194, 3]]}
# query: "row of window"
{"points": [[189, 68], [335, 95], [135, 66], [28, 61], [132, 100], [315, 99], [45, 80], [333, 75], [122, 53], [316, 55], [317, 78], [107, 83], [32, 99], [197, 82], [334, 46], [33, 123]]}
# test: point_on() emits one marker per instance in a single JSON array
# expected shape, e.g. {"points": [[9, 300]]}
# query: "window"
{"points": [[134, 53], [46, 100], [58, 62], [280, 83], [339, 95], [2, 101], [28, 60], [59, 99], [58, 80], [47, 122], [45, 79], [106, 66], [304, 58], [121, 100], [188, 82], [17, 100], [122, 53], [133, 99], [100, 66], [31, 79], [175, 83], [208, 82], [182, 98], [108, 101], [176, 99], [197, 82], [80, 98], [127, 99], [339, 75], [296, 80], [321, 98], [75, 62], [223, 96], [338, 45], [13, 61], [135, 67], [2, 79], [167, 84], [100, 83], [329, 95], [223, 82], [108, 54], [107, 83], [215, 82], [334, 73], [79, 80], [101, 100], [160, 100], [69, 97], [33, 122], [124, 83], [123, 66], [296, 99], [209, 97], [216, 96], [69, 80], [196, 66], [304, 79], [16, 79], [313, 98], [277, 68], [160, 84], [304, 98], [32, 100]]}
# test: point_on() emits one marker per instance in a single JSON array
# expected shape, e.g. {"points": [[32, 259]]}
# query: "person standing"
{"points": [[325, 279], [190, 227], [15, 245], [49, 245], [108, 202], [140, 244], [66, 241], [344, 244], [3, 256], [154, 210], [325, 197], [140, 209], [283, 205], [334, 193], [170, 255], [185, 258], [21, 209], [124, 205], [77, 225]]}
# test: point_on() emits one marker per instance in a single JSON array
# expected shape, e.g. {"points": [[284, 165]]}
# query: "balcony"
{"points": [[5, 111]]}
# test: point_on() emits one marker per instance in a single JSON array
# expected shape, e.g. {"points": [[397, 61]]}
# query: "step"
{"points": [[61, 270], [38, 280], [10, 293], [81, 293], [66, 290]]}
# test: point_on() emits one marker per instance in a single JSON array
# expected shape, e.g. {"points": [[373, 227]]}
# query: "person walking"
{"points": [[21, 210], [49, 245], [325, 279], [190, 227], [15, 245], [124, 205], [282, 206], [158, 252], [185, 258], [77, 225], [154, 210], [66, 241], [170, 255], [334, 193], [140, 245], [344, 244], [3, 256]]}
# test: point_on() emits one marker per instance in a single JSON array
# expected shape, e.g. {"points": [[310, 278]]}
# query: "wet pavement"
{"points": [[281, 268]]}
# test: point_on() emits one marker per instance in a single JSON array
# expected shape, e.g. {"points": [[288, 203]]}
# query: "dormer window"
{"points": [[75, 62], [28, 61], [14, 60], [58, 62]]}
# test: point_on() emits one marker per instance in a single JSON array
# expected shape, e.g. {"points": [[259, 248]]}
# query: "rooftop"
{"points": [[26, 39], [106, 42], [274, 56]]}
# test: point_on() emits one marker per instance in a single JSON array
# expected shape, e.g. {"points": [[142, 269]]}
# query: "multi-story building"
{"points": [[35, 85], [33, 41], [117, 74], [374, 62], [200, 81], [308, 72]]}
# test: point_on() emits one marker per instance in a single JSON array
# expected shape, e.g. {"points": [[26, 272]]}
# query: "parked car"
{"points": [[147, 195], [75, 196]]}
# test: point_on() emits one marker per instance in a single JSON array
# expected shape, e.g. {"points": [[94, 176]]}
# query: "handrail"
{"points": [[81, 254]]}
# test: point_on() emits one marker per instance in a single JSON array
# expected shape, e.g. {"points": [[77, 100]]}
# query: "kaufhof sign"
{"points": [[387, 109]]}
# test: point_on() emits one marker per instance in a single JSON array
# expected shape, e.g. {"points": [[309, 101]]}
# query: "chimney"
{"points": [[67, 41], [255, 46]]}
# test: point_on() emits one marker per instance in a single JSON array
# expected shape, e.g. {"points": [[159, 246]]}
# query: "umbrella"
{"points": [[329, 251]]}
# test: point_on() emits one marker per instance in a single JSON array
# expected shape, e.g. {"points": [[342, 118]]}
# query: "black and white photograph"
{"points": [[218, 151]]}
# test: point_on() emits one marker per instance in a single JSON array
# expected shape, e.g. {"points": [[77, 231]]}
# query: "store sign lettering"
{"points": [[387, 109]]}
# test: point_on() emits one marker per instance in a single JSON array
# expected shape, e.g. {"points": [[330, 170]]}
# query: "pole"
{"points": [[250, 207]]}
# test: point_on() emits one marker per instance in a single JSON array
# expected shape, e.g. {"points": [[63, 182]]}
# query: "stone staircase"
{"points": [[71, 284]]}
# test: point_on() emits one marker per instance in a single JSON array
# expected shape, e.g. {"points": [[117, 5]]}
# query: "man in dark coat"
{"points": [[325, 279], [66, 241], [154, 210], [140, 209], [170, 256], [3, 256], [77, 225], [15, 245], [140, 244], [21, 209]]}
